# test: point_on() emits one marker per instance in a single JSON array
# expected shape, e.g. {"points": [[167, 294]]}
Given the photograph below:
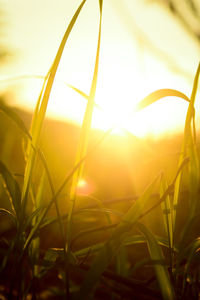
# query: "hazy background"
{"points": [[146, 45]]}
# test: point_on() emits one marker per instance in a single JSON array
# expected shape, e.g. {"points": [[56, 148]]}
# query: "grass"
{"points": [[112, 266]]}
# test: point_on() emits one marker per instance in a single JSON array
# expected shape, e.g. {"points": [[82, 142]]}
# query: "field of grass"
{"points": [[134, 236]]}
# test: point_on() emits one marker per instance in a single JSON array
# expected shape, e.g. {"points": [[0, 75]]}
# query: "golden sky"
{"points": [[142, 46]]}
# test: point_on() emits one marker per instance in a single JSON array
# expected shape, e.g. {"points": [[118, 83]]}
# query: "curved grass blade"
{"points": [[111, 247], [131, 240], [12, 188], [8, 213], [15, 118], [157, 95], [187, 257], [32, 216], [160, 268], [186, 233]]}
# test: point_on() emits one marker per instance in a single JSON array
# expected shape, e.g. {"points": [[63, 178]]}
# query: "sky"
{"points": [[143, 48]]}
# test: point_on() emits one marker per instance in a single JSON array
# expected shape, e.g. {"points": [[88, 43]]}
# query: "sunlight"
{"points": [[115, 107], [126, 75], [130, 66], [84, 188]]}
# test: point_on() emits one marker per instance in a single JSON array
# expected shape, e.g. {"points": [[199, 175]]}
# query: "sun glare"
{"points": [[129, 69], [115, 107], [84, 188]]}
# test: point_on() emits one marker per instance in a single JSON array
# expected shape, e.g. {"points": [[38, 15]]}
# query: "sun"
{"points": [[115, 106]]}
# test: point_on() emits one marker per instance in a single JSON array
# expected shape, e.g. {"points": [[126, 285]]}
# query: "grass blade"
{"points": [[122, 262], [168, 218], [57, 193], [84, 95], [157, 95], [41, 107], [12, 188], [190, 138], [15, 118], [189, 143], [8, 213], [85, 131], [167, 212], [111, 247], [160, 269]]}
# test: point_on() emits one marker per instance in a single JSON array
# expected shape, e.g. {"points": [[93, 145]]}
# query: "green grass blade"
{"points": [[157, 95], [12, 188], [189, 258], [35, 246], [160, 269], [167, 212], [111, 247], [122, 261]]}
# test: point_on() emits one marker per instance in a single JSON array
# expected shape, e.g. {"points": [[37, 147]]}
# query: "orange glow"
{"points": [[84, 188]]}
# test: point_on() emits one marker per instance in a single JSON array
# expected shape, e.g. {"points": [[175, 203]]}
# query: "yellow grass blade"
{"points": [[42, 106], [167, 212], [85, 131], [189, 148], [157, 95]]}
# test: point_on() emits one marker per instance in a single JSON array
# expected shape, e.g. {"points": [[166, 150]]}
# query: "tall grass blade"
{"points": [[85, 131], [160, 269], [167, 212], [157, 95], [190, 139], [168, 218], [189, 148], [41, 107], [122, 261], [36, 242], [111, 247]]}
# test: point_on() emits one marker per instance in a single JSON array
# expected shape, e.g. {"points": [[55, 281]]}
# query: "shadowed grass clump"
{"points": [[106, 251]]}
